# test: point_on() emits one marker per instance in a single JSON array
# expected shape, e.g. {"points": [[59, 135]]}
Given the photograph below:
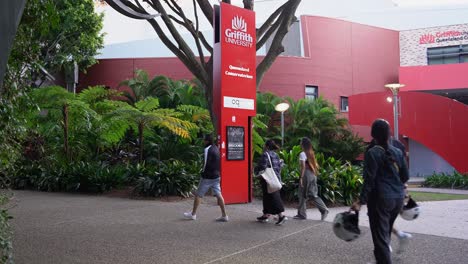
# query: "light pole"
{"points": [[282, 107], [395, 88]]}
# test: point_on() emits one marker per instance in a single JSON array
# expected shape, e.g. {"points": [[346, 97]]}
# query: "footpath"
{"points": [[68, 228]]}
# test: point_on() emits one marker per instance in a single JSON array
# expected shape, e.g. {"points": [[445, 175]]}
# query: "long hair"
{"points": [[271, 145], [306, 145], [380, 133]]}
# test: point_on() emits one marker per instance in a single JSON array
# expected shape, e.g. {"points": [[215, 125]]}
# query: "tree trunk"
{"points": [[65, 132], [141, 127], [249, 4]]}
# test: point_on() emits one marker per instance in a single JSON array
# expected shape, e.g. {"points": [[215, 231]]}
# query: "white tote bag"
{"points": [[269, 175]]}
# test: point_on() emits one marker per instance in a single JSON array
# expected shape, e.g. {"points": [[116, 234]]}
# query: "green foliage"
{"points": [[82, 125], [52, 35], [12, 132], [338, 182], [52, 175], [443, 180], [140, 86], [317, 119], [172, 178], [257, 139], [290, 172], [165, 146], [6, 245]]}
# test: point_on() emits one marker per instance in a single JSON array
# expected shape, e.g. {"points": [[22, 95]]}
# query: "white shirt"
{"points": [[302, 156], [206, 156]]}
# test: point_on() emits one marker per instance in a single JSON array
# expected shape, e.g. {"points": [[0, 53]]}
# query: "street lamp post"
{"points": [[395, 88], [282, 107]]}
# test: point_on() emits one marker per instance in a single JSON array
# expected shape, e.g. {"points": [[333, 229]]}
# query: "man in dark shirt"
{"points": [[210, 179]]}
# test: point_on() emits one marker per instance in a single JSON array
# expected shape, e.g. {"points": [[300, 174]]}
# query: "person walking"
{"points": [[385, 173], [210, 179], [403, 237], [272, 203], [308, 182]]}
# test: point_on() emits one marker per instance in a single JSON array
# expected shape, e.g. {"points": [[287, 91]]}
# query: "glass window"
{"points": [[344, 104], [447, 55], [311, 92]]}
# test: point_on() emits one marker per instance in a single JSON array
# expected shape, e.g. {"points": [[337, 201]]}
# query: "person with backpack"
{"points": [[385, 173]]}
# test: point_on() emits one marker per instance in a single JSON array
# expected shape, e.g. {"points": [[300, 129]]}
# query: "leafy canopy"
{"points": [[52, 35]]}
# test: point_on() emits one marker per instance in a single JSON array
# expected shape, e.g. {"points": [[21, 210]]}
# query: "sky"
{"points": [[396, 14]]}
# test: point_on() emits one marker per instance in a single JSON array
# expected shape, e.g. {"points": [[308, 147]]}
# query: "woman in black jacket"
{"points": [[385, 173], [272, 203]]}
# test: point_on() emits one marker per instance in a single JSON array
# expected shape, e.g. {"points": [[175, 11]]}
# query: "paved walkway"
{"points": [[65, 228]]}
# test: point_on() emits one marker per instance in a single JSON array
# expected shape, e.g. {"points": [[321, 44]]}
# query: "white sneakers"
{"points": [[189, 216], [222, 219], [404, 240]]}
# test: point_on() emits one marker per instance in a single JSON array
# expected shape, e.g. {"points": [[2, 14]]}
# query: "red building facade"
{"points": [[343, 60], [340, 59]]}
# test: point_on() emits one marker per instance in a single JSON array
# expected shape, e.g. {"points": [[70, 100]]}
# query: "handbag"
{"points": [[269, 175]]}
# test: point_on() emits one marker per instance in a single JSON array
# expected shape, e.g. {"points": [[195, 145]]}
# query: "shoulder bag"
{"points": [[269, 175]]}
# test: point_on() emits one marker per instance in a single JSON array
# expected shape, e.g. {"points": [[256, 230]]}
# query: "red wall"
{"points": [[434, 77], [111, 72], [439, 123], [342, 59]]}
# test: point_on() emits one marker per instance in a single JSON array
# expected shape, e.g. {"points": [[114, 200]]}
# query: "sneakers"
{"points": [[189, 216], [299, 217], [281, 220], [222, 219], [324, 215], [404, 240], [262, 219]]}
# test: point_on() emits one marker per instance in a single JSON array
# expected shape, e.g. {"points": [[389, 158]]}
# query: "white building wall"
{"points": [[414, 43], [424, 162]]}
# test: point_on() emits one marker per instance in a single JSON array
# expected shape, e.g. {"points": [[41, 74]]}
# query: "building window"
{"points": [[447, 55], [311, 92], [344, 104]]}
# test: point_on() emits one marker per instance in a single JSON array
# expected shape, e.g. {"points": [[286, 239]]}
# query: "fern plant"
{"points": [[146, 114]]}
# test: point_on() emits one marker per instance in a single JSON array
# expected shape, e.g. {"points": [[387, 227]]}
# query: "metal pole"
{"points": [[282, 129], [395, 114]]}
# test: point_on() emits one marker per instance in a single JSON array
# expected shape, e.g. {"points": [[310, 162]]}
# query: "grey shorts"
{"points": [[206, 184]]}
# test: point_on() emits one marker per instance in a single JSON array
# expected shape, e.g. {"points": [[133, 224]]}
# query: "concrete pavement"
{"points": [[68, 228]]}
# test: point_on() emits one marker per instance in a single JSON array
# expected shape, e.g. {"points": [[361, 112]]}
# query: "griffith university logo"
{"points": [[237, 34], [238, 23], [426, 39]]}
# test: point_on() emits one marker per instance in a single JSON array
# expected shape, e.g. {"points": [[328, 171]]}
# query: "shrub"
{"points": [[6, 246], [51, 176], [290, 172], [443, 180], [172, 178], [338, 182]]}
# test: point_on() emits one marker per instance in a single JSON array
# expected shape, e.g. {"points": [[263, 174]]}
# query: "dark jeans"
{"points": [[382, 215]]}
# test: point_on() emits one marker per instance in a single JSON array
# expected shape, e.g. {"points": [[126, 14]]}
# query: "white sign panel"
{"points": [[239, 103]]}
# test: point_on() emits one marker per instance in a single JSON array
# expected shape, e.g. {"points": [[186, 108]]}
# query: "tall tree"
{"points": [[173, 17], [52, 35]]}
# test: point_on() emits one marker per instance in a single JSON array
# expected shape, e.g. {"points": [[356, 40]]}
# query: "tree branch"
{"points": [[207, 9], [269, 33], [192, 63], [248, 4], [276, 46], [173, 8], [270, 20]]}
